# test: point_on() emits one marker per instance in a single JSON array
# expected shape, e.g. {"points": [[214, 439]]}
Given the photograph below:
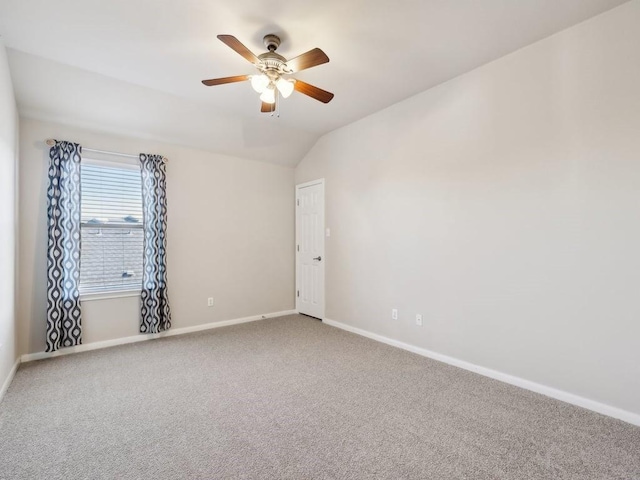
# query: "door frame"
{"points": [[300, 186]]}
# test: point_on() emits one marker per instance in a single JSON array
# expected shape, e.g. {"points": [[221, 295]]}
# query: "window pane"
{"points": [[111, 195], [111, 259], [111, 233]]}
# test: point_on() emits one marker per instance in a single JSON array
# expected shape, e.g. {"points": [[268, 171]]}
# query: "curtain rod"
{"points": [[51, 142]]}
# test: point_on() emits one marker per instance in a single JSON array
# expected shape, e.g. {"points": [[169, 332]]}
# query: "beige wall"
{"points": [[8, 218], [504, 206], [230, 237]]}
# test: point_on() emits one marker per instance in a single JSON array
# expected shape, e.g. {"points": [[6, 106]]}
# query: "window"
{"points": [[111, 227]]}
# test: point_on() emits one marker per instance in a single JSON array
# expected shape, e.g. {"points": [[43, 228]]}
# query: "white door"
{"points": [[310, 259]]}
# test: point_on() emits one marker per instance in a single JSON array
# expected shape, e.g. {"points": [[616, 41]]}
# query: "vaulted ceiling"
{"points": [[134, 66]]}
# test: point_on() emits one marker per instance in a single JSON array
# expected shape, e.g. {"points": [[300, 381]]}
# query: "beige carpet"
{"points": [[292, 398]]}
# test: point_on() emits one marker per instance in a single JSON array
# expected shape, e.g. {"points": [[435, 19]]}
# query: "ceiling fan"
{"points": [[273, 70]]}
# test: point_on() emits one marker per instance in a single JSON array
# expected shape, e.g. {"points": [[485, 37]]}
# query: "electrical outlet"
{"points": [[210, 302], [394, 314], [419, 320]]}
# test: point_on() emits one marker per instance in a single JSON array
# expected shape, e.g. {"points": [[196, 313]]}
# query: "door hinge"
{"points": [[298, 292], [298, 202], [298, 247]]}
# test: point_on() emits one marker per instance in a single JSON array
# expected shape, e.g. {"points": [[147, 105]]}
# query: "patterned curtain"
{"points": [[155, 314], [64, 328]]}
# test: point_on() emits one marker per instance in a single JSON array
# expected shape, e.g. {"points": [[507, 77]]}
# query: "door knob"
{"points": [[318, 258]]}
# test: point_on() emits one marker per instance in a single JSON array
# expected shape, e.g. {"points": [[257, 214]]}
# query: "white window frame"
{"points": [[131, 164]]}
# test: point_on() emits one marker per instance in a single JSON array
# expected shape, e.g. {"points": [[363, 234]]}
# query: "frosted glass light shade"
{"points": [[259, 82], [269, 95], [285, 87]]}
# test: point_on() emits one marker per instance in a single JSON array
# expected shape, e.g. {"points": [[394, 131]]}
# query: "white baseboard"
{"points": [[571, 398], [29, 357], [9, 379]]}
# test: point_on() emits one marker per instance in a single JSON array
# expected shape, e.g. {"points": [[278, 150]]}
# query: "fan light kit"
{"points": [[273, 69]]}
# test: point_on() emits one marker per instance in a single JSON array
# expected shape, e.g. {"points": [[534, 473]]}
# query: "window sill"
{"points": [[89, 297]]}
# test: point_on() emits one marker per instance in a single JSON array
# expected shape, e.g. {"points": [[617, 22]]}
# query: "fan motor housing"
{"points": [[272, 63]]}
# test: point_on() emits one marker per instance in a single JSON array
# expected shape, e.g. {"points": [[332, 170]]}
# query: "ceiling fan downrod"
{"points": [[271, 41]]}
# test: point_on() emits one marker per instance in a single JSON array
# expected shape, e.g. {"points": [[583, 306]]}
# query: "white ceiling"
{"points": [[136, 65]]}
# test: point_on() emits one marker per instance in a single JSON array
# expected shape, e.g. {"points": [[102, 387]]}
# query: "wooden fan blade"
{"points": [[220, 81], [267, 107], [313, 92], [233, 43], [312, 58]]}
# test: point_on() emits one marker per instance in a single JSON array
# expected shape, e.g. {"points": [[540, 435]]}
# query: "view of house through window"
{"points": [[111, 231]]}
